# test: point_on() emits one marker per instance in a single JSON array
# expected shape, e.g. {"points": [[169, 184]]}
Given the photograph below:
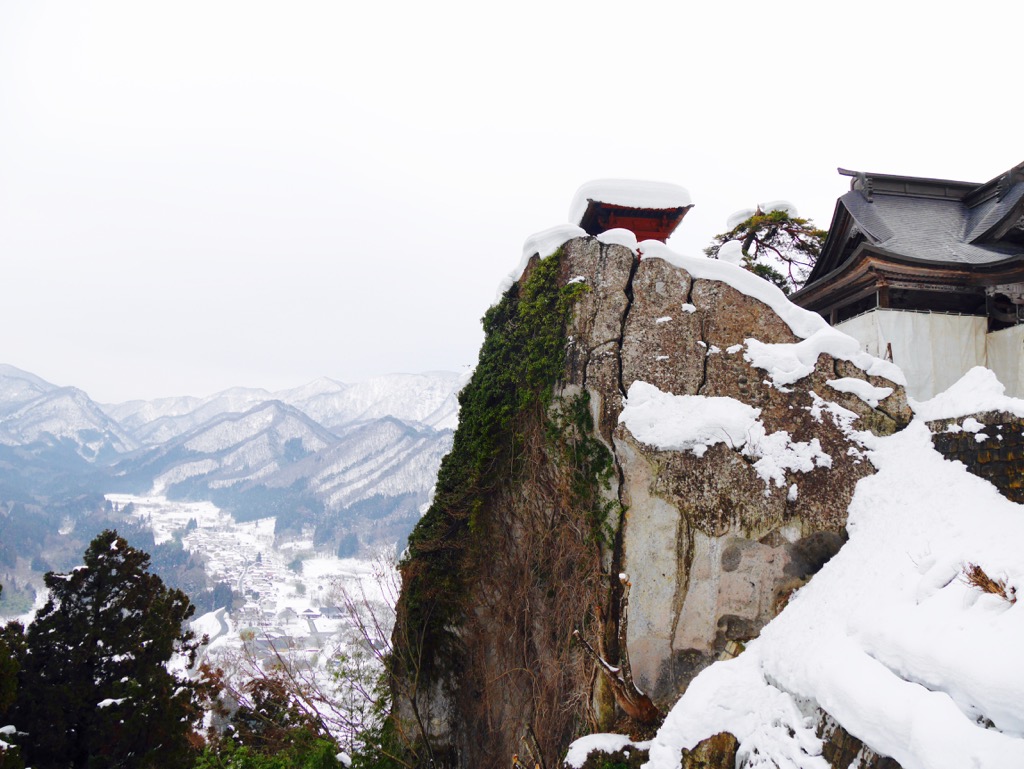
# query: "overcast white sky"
{"points": [[200, 194]]}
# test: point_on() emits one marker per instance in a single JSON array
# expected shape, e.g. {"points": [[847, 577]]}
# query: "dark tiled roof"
{"points": [[986, 215], [936, 230]]}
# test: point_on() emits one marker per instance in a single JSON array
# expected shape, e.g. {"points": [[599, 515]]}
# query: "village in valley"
{"points": [[289, 605]]}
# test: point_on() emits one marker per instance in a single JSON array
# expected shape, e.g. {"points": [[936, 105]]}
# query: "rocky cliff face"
{"points": [[579, 497]]}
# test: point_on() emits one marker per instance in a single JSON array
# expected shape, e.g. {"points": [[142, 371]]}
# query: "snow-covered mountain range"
{"points": [[314, 456], [32, 411], [427, 399]]}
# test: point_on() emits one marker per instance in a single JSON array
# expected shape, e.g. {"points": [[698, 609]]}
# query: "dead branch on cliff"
{"points": [[633, 702], [975, 576]]}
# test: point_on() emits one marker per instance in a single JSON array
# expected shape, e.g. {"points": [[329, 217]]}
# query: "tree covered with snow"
{"points": [[95, 688], [771, 241]]}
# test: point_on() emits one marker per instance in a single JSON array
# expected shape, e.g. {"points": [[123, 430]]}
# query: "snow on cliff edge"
{"points": [[784, 363], [888, 638]]}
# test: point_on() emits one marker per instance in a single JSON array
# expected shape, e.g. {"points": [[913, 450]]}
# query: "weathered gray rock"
{"points": [[711, 548], [596, 337]]}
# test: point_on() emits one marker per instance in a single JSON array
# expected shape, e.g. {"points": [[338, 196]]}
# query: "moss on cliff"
{"points": [[506, 563], [586, 462], [521, 361]]}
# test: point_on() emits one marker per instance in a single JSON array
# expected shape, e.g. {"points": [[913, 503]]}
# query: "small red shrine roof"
{"points": [[650, 210]]}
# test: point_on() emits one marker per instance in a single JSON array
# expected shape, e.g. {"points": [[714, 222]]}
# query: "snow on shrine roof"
{"points": [[631, 193]]}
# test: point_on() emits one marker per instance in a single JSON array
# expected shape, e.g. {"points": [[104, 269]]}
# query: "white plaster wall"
{"points": [[933, 349], [1006, 358]]}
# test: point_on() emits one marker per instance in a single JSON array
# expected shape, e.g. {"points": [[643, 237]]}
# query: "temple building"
{"points": [[928, 273]]}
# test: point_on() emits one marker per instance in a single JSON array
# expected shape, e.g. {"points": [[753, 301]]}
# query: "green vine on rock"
{"points": [[586, 461], [521, 362]]}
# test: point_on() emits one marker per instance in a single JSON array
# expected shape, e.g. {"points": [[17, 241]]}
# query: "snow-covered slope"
{"points": [[353, 461], [429, 399], [18, 387], [159, 421], [65, 414], [322, 386], [384, 457], [235, 447], [275, 460], [889, 638], [395, 429]]}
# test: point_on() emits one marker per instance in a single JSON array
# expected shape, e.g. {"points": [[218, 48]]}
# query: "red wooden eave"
{"points": [[645, 223]]}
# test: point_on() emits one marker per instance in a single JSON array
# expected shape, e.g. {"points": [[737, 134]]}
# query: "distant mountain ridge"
{"points": [[18, 387], [34, 411], [331, 403], [314, 455]]}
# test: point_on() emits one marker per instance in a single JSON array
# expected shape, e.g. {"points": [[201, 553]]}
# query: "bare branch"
{"points": [[635, 703]]}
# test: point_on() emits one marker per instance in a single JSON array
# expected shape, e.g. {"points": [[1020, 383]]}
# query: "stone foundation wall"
{"points": [[990, 444]]}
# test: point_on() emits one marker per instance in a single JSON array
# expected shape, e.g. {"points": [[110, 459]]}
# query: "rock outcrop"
{"points": [[711, 538]]}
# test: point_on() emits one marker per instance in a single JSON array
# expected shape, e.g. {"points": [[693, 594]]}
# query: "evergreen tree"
{"points": [[777, 245], [10, 757], [8, 671], [271, 718], [222, 595], [94, 688], [271, 730]]}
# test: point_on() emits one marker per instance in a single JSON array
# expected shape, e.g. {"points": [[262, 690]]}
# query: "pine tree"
{"points": [[94, 688], [10, 756], [8, 672], [776, 244]]}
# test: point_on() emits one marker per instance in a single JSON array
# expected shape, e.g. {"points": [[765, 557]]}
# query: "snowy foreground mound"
{"points": [[889, 638]]}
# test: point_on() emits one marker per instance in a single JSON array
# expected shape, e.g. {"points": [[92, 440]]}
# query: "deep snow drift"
{"points": [[888, 638]]}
